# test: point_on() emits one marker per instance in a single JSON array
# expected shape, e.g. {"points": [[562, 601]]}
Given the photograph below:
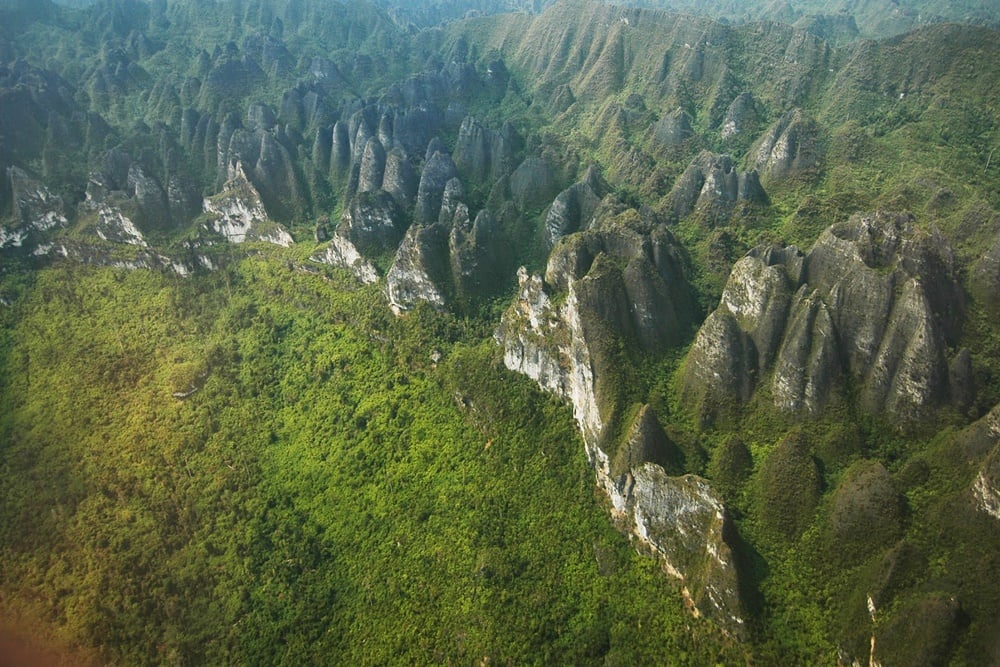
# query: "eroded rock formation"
{"points": [[623, 279], [876, 300]]}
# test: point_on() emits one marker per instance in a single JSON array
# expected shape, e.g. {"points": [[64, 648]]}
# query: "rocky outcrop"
{"points": [[623, 279], [629, 272], [133, 258], [713, 189], [238, 214], [984, 282], [484, 155], [646, 442], [741, 116], [372, 222], [876, 300], [532, 185], [372, 166], [673, 129], [478, 261], [986, 486], [789, 148], [340, 252], [438, 170], [400, 178], [34, 210], [152, 203], [574, 207], [113, 225], [420, 269], [683, 522]]}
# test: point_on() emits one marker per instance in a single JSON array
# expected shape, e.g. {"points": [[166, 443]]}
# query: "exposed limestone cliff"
{"points": [[563, 345], [673, 129], [986, 487], [876, 300], [482, 154], [532, 184], [340, 252], [238, 214], [419, 271], [713, 188], [741, 116], [438, 170], [574, 207], [35, 210], [373, 222], [790, 147]]}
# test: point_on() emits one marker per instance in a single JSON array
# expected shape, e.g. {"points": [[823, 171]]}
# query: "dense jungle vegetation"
{"points": [[324, 492]]}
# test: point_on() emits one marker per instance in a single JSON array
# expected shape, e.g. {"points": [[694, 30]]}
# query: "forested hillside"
{"points": [[499, 332]]}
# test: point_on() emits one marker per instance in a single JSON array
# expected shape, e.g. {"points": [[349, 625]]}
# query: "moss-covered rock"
{"points": [[868, 513], [730, 466], [787, 489], [921, 633]]}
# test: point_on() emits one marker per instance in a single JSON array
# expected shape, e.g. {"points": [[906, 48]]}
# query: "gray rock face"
{"points": [[276, 177], [438, 170], [875, 300], [646, 443], [574, 207], [372, 166], [400, 178], [238, 213], [340, 252], [682, 521], [261, 116], [789, 148], [123, 182], [419, 271], [986, 487], [340, 151], [477, 262], [673, 129], [638, 288], [532, 184], [808, 366], [741, 116], [454, 258], [712, 188], [720, 371], [451, 200], [619, 277], [149, 195], [372, 222], [985, 279], [35, 210], [270, 158], [472, 150]]}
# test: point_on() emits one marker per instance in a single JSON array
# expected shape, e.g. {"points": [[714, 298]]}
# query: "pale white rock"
{"points": [[115, 227], [340, 252], [12, 238], [682, 521], [678, 519], [35, 209], [987, 494], [409, 280], [986, 487], [238, 213]]}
